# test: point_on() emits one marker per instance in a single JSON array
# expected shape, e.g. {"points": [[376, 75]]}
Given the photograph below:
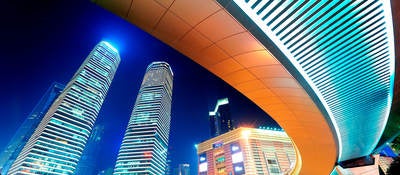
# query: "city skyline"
{"points": [[324, 70], [196, 142], [270, 52], [47, 37]]}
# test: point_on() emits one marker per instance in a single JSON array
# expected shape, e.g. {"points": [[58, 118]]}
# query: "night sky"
{"points": [[46, 41]]}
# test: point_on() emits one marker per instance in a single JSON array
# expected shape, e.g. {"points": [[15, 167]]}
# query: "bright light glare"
{"points": [[237, 157], [110, 46], [203, 167], [246, 134], [235, 148]]}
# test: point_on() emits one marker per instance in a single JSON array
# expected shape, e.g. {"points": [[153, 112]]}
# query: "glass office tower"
{"points": [[183, 169], [220, 118], [27, 128], [87, 163], [57, 143], [145, 144]]}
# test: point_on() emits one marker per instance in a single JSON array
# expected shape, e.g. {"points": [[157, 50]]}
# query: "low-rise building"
{"points": [[247, 151]]}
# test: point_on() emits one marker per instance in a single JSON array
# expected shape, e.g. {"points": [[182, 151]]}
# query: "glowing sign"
{"points": [[218, 144], [237, 157], [238, 168], [235, 148], [203, 167]]}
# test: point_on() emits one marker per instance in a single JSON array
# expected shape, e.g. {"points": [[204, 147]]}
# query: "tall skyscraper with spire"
{"points": [[21, 137], [145, 144], [220, 118], [57, 143]]}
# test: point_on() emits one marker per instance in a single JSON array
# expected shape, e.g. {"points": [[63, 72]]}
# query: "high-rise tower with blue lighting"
{"points": [[145, 144], [27, 128], [58, 142]]}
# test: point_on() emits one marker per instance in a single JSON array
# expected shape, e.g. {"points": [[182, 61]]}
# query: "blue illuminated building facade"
{"points": [[183, 169], [87, 163], [145, 144], [27, 128], [220, 118], [58, 142]]}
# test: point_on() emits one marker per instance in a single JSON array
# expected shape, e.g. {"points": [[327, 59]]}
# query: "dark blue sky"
{"points": [[46, 41]]}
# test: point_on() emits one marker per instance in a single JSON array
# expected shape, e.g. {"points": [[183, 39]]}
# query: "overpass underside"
{"points": [[322, 70]]}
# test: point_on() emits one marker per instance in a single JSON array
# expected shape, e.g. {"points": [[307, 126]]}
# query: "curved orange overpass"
{"points": [[205, 32]]}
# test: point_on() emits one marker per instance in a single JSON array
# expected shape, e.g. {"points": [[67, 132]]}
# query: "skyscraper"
{"points": [[168, 168], [87, 163], [145, 144], [57, 143], [220, 118], [183, 169], [27, 128]]}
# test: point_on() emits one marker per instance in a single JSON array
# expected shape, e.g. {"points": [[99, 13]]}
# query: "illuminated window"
{"points": [[271, 161], [274, 170]]}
